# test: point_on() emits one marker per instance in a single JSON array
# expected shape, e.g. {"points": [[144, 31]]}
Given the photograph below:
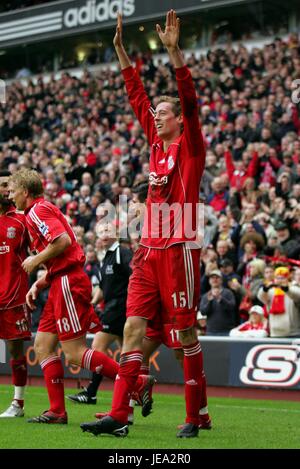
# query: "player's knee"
{"points": [[74, 356], [41, 350], [15, 349], [188, 336], [71, 358], [134, 329]]}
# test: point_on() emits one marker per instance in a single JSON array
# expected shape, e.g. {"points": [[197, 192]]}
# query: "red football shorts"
{"points": [[165, 282], [15, 323], [166, 335], [68, 311]]}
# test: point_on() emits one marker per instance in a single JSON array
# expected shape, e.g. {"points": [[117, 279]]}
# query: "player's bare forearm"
{"points": [[42, 283], [98, 295], [119, 47], [52, 250], [123, 58], [176, 57]]}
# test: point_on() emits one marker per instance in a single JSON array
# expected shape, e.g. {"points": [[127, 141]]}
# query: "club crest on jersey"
{"points": [[109, 269], [43, 228], [170, 162], [11, 232]]}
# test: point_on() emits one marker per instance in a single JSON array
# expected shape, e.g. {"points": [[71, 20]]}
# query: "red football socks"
{"points": [[100, 363], [19, 378], [54, 378], [130, 363], [19, 371], [193, 369]]}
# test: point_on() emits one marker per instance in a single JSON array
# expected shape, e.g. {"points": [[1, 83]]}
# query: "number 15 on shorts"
{"points": [[179, 299]]}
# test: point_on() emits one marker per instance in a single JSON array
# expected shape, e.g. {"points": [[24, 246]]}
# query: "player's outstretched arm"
{"points": [[118, 44], [170, 38]]}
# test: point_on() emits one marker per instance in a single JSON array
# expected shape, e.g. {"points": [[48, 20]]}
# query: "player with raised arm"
{"points": [[166, 273]]}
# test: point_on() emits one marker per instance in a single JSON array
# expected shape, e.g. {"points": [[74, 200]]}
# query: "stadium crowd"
{"points": [[82, 136]]}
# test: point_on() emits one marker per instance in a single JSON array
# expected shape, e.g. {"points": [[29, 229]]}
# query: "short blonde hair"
{"points": [[29, 180], [176, 106], [259, 266]]}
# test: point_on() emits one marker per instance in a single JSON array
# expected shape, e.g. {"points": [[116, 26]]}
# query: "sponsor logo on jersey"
{"points": [[4, 249], [155, 180], [273, 365], [11, 232], [43, 228], [162, 161]]}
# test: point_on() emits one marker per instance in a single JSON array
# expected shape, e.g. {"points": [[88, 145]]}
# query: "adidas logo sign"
{"points": [[96, 12]]}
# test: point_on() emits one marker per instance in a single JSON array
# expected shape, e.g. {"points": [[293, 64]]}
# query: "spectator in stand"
{"points": [[219, 197], [269, 275], [282, 303], [219, 305], [296, 277], [237, 172], [226, 266], [265, 222], [266, 165], [84, 215], [289, 244], [255, 327], [91, 262], [232, 281], [284, 185], [248, 288], [224, 251], [251, 245], [224, 231]]}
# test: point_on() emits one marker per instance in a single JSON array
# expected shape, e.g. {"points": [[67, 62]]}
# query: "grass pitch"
{"points": [[237, 423]]}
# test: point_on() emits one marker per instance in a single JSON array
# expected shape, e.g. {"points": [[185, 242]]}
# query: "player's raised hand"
{"points": [[118, 42], [170, 36]]}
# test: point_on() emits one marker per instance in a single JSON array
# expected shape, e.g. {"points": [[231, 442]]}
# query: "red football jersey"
{"points": [[13, 244], [175, 175], [45, 223]]}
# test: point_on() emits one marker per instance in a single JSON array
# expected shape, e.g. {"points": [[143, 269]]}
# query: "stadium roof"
{"points": [[69, 17]]}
